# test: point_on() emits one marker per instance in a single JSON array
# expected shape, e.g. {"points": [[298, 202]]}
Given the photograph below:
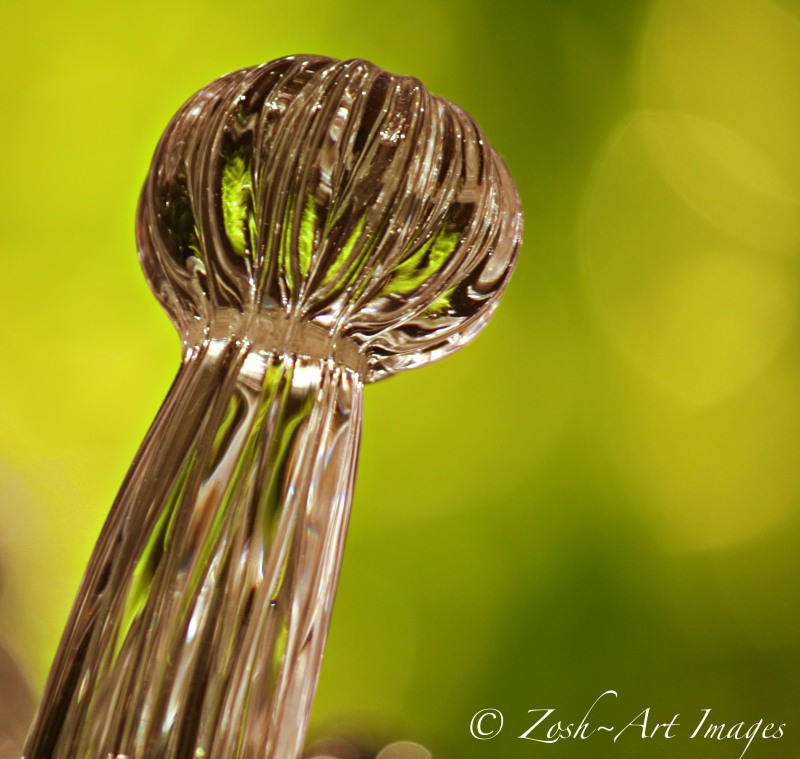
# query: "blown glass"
{"points": [[309, 225]]}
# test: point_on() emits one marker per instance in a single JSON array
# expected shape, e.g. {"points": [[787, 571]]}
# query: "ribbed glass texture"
{"points": [[309, 225]]}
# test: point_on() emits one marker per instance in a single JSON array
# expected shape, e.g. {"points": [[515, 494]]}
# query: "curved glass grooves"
{"points": [[308, 225], [201, 621], [339, 195]]}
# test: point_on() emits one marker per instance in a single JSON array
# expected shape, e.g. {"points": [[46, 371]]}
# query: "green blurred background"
{"points": [[602, 492]]}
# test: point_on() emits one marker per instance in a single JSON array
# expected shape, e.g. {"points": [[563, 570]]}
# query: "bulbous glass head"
{"points": [[309, 196]]}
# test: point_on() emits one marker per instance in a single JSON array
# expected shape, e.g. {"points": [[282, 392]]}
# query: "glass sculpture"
{"points": [[309, 225]]}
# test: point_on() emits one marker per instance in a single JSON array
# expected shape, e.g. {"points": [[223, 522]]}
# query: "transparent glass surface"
{"points": [[309, 225]]}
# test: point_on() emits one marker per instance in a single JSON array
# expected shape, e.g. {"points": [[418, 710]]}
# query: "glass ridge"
{"points": [[309, 225]]}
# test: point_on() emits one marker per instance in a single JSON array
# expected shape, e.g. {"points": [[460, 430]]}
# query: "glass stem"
{"points": [[200, 623]]}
